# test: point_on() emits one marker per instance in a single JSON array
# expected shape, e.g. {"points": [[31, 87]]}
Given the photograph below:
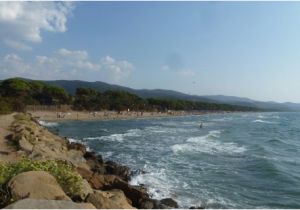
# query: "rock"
{"points": [[25, 145], [196, 207], [147, 204], [90, 155], [96, 166], [48, 204], [113, 199], [93, 156], [109, 182], [85, 173], [85, 190], [116, 169], [36, 185], [95, 162], [167, 203], [76, 146]]}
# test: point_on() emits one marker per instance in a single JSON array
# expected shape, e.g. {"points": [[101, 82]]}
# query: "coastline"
{"points": [[104, 183], [53, 116]]}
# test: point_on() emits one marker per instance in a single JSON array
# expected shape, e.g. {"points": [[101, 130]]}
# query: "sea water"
{"points": [[237, 160]]}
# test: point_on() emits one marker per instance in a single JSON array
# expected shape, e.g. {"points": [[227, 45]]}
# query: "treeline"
{"points": [[16, 94]]}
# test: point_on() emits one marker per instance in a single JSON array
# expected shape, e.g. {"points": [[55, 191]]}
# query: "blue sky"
{"points": [[249, 49]]}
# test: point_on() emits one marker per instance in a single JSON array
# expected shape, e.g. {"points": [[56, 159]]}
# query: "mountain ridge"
{"points": [[71, 85]]}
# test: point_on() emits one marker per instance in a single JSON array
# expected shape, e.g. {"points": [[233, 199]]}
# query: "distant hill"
{"points": [[71, 86]]}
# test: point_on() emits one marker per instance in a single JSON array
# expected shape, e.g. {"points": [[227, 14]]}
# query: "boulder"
{"points": [[36, 185], [76, 146], [109, 182], [113, 199], [167, 203], [95, 162], [114, 168], [149, 203], [48, 204], [196, 207], [85, 173], [85, 190], [25, 145]]}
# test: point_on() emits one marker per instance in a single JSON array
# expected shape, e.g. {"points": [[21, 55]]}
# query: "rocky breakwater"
{"points": [[55, 173]]}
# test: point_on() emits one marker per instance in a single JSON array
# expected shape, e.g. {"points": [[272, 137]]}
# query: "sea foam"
{"points": [[208, 144], [119, 137], [48, 124]]}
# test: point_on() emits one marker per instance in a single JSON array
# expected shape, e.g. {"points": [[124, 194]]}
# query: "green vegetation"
{"points": [[174, 104], [90, 99], [65, 174], [16, 94]]}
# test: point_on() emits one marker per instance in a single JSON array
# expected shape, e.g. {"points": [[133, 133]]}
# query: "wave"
{"points": [[208, 144], [275, 141], [72, 140], [222, 119], [48, 124], [157, 181], [159, 185], [211, 135], [120, 137], [263, 121]]}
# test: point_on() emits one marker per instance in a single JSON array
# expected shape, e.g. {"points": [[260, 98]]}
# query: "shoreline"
{"points": [[52, 116], [104, 183]]}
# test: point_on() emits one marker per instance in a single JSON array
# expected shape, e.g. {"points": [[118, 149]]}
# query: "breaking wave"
{"points": [[208, 144], [119, 137], [48, 124]]}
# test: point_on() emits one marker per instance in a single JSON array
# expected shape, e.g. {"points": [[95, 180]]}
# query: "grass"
{"points": [[65, 174], [22, 116]]}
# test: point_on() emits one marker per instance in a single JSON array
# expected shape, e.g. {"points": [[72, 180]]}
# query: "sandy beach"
{"points": [[99, 115]]}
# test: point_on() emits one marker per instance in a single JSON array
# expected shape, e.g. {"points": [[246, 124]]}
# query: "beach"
{"points": [[99, 115], [70, 115]]}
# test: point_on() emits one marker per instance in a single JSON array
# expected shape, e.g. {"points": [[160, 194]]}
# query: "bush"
{"points": [[22, 117], [65, 174], [5, 106]]}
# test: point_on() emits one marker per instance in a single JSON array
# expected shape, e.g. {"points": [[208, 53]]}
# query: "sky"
{"points": [[247, 49]]}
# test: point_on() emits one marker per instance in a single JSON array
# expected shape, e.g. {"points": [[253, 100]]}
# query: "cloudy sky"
{"points": [[249, 49]]}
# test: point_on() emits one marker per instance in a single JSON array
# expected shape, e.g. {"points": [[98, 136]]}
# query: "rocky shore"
{"points": [[51, 172]]}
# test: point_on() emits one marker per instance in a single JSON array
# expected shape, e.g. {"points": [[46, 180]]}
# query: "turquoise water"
{"points": [[237, 160]]}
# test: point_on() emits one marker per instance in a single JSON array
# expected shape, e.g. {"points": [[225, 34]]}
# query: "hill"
{"points": [[71, 85]]}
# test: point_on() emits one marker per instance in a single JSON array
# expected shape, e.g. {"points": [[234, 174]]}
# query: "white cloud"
{"points": [[12, 65], [17, 45], [23, 21], [77, 54], [66, 64], [118, 69]]}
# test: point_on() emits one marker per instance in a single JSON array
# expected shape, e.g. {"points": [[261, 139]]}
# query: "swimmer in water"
{"points": [[201, 125]]}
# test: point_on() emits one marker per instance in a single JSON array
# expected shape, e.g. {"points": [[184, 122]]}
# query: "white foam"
{"points": [[208, 144], [79, 141], [263, 121], [120, 137], [157, 181], [74, 140], [222, 119], [48, 124]]}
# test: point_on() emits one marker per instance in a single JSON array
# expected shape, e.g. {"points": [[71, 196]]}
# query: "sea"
{"points": [[236, 160]]}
